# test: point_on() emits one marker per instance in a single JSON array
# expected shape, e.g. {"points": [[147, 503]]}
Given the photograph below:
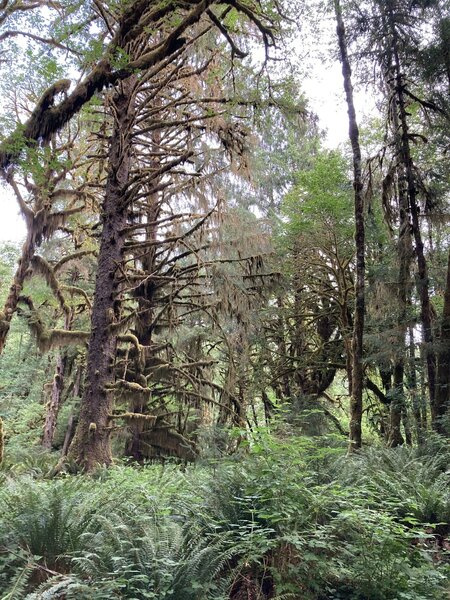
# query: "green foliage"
{"points": [[126, 538], [416, 489], [8, 257], [321, 198], [23, 374], [293, 513], [41, 526]]}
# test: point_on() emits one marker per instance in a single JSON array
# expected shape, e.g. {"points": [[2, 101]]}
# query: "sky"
{"points": [[326, 98], [12, 226]]}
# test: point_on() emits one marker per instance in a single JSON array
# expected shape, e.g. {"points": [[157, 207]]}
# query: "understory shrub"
{"points": [[287, 519]]}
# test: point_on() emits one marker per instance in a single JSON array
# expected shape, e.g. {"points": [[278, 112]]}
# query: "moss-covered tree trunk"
{"points": [[285, 383], [404, 248], [56, 391], [15, 290], [413, 387], [357, 375], [91, 443], [136, 446], [54, 403], [405, 157], [441, 405]]}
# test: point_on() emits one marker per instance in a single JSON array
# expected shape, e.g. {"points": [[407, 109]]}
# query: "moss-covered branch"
{"points": [[49, 118], [41, 266], [47, 339], [129, 416]]}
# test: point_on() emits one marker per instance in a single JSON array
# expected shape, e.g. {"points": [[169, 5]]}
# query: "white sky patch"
{"points": [[12, 225], [326, 97]]}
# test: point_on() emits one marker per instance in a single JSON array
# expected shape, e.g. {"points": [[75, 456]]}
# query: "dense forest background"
{"points": [[225, 347]]}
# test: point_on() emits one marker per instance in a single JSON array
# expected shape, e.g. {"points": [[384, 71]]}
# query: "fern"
{"points": [[355, 531], [18, 585], [402, 481]]}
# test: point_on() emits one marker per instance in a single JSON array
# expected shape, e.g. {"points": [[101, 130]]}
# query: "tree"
{"points": [[114, 65], [91, 443], [317, 300], [388, 32], [357, 380], [49, 192]]}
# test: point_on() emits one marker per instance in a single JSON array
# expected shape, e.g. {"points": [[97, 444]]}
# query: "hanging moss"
{"points": [[41, 266], [47, 339], [151, 419]]}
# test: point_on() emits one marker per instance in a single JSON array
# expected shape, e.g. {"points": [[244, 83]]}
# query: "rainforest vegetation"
{"points": [[224, 344]]}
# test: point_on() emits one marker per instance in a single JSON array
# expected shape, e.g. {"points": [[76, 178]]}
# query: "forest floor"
{"points": [[293, 518]]}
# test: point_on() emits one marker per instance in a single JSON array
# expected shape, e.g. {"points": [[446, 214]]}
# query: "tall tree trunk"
{"points": [[413, 387], [406, 159], [356, 403], [71, 421], [15, 290], [91, 443], [282, 349], [136, 446], [406, 425], [441, 404], [68, 435], [404, 249], [397, 404], [386, 374], [423, 400], [54, 403]]}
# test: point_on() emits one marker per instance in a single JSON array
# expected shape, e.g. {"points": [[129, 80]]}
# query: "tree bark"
{"points": [[15, 290], [136, 445], [54, 403], [91, 443], [68, 435], [396, 407], [441, 404], [422, 282], [356, 403], [282, 349], [404, 249], [413, 388]]}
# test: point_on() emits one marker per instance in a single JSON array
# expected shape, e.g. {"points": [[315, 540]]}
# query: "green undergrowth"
{"points": [[293, 518]]}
